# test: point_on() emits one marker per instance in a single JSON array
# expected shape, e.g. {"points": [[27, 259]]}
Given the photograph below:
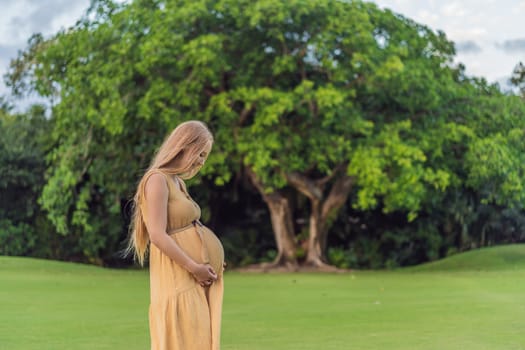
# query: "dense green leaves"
{"points": [[294, 91], [23, 142]]}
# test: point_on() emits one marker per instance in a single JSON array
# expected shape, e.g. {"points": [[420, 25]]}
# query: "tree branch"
{"points": [[305, 185], [245, 113], [254, 179], [322, 181], [337, 196]]}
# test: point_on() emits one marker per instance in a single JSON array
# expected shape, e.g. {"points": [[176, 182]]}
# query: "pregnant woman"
{"points": [[186, 259]]}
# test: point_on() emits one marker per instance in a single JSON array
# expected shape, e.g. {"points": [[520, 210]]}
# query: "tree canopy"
{"points": [[332, 100]]}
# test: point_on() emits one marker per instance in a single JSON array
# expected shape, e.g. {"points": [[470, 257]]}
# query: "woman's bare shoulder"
{"points": [[156, 184]]}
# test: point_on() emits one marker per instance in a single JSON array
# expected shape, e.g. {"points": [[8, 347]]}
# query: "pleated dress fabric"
{"points": [[183, 315]]}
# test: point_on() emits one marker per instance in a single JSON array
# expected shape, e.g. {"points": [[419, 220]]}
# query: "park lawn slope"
{"points": [[506, 257], [56, 305]]}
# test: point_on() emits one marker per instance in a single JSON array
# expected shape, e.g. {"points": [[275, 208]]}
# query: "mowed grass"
{"points": [[474, 300]]}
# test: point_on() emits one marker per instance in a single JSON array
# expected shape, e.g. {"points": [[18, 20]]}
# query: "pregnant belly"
{"points": [[215, 250], [191, 243]]}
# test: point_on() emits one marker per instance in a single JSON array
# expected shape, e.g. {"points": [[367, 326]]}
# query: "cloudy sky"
{"points": [[488, 33]]}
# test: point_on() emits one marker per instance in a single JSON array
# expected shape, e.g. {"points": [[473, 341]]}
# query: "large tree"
{"points": [[322, 97]]}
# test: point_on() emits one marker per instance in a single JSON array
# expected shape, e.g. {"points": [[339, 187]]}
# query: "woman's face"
{"points": [[199, 162]]}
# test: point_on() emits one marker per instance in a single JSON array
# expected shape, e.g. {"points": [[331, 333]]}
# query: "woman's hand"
{"points": [[204, 274]]}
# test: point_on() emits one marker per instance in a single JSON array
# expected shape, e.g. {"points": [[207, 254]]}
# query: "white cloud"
{"points": [[12, 26], [69, 18], [453, 9], [23, 18], [483, 22], [464, 34], [19, 19], [402, 2], [428, 17]]}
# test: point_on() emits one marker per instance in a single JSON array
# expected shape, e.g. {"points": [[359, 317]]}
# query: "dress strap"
{"points": [[182, 186]]}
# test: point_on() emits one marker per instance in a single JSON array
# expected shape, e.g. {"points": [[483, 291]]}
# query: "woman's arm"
{"points": [[156, 219]]}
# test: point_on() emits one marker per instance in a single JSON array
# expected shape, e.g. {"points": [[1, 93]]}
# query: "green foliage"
{"points": [[394, 169], [388, 246], [497, 165], [23, 143], [285, 86], [452, 223], [16, 239]]}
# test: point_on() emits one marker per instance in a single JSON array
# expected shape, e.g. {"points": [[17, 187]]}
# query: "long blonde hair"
{"points": [[176, 155]]}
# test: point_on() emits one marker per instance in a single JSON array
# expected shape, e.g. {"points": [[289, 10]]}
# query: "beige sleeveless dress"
{"points": [[183, 315]]}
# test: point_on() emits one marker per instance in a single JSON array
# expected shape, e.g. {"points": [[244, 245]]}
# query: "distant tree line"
{"points": [[345, 134]]}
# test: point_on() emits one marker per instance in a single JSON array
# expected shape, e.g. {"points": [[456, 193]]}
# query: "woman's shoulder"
{"points": [[158, 178], [155, 176], [155, 182]]}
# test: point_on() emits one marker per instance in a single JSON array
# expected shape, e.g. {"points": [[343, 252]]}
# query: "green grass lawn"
{"points": [[474, 300]]}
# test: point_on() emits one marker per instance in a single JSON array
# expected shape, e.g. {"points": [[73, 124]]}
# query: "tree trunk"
{"points": [[323, 210], [282, 224], [331, 205], [315, 255]]}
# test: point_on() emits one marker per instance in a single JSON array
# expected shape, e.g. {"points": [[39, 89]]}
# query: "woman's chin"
{"points": [[188, 175]]}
